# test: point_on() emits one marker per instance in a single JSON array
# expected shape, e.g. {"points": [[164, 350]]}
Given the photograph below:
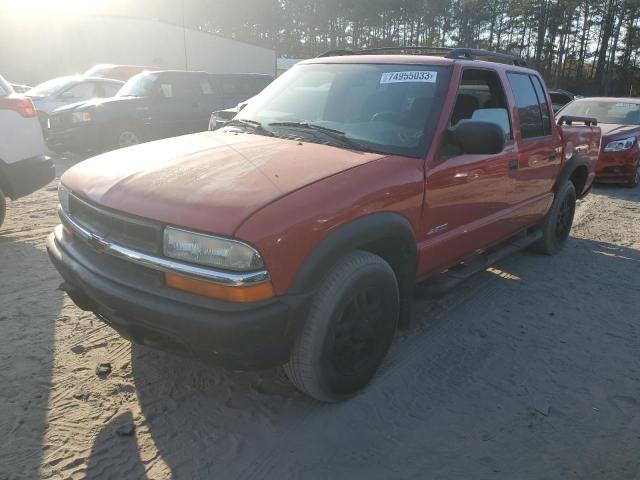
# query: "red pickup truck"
{"points": [[298, 234]]}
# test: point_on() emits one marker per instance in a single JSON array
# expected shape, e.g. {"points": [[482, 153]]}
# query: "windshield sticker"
{"points": [[406, 77], [631, 106]]}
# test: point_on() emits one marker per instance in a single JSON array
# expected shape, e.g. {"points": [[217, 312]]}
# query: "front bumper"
{"points": [[617, 167], [78, 139], [26, 176], [237, 336]]}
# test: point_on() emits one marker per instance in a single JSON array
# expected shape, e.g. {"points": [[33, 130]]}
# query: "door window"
{"points": [[480, 97], [528, 104], [81, 90], [174, 87]]}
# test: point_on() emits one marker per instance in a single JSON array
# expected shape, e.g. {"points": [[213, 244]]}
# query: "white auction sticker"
{"points": [[412, 76]]}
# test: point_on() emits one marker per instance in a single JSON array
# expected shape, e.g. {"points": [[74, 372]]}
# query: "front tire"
{"points": [[127, 136], [557, 224], [349, 329]]}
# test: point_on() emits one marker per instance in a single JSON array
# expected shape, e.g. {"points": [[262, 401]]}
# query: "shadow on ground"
{"points": [[29, 307], [528, 371]]}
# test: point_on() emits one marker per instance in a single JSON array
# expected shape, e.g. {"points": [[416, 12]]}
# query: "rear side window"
{"points": [[204, 86], [524, 92], [230, 86], [544, 106]]}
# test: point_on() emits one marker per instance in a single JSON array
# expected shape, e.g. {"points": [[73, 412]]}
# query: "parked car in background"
{"points": [[220, 118], [23, 165], [152, 105], [56, 93], [619, 119], [297, 234], [117, 72], [20, 88], [559, 98]]}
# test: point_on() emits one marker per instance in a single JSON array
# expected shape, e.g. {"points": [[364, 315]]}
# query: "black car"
{"points": [[150, 106], [559, 98]]}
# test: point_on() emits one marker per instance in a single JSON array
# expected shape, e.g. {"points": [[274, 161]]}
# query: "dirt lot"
{"points": [[528, 371]]}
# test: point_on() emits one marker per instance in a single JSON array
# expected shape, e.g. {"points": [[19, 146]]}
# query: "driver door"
{"points": [[468, 196]]}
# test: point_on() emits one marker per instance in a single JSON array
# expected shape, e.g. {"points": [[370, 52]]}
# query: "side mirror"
{"points": [[477, 137]]}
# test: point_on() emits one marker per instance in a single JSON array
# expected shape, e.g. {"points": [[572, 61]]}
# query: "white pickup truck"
{"points": [[24, 168]]}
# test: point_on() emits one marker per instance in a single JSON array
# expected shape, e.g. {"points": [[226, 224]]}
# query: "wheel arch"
{"points": [[388, 235], [576, 170]]}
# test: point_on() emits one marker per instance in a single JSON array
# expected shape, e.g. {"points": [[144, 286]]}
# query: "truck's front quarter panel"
{"points": [[287, 231]]}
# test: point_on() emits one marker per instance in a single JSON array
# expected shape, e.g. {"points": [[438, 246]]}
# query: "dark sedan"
{"points": [[150, 106]]}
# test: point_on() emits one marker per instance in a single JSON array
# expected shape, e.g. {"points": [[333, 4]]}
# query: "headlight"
{"points": [[80, 117], [620, 145], [63, 197], [211, 251]]}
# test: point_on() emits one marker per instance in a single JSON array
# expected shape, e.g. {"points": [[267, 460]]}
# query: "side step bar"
{"points": [[444, 282]]}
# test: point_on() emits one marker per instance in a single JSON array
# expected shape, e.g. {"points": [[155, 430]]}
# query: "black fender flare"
{"points": [[567, 170], [387, 234]]}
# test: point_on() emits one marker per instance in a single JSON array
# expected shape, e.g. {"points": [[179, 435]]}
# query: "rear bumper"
{"points": [[79, 139], [237, 336], [26, 176], [617, 167]]}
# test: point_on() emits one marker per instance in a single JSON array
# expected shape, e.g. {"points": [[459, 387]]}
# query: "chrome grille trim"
{"points": [[158, 263]]}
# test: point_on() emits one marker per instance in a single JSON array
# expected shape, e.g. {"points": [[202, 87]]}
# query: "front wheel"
{"points": [[127, 136], [349, 329], [3, 207], [558, 222]]}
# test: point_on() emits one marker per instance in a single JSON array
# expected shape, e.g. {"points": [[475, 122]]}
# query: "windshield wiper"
{"points": [[254, 125], [329, 132]]}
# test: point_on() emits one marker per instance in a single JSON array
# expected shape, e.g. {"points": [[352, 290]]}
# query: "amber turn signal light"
{"points": [[253, 293]]}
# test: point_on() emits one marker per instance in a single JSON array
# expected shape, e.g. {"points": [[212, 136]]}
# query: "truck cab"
{"points": [[299, 233]]}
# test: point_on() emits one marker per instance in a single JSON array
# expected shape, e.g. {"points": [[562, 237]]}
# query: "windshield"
{"points": [[140, 85], [50, 87], [384, 108], [620, 113]]}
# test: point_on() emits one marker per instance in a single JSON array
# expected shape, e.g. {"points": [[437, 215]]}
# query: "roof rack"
{"points": [[369, 51], [453, 53], [472, 53]]}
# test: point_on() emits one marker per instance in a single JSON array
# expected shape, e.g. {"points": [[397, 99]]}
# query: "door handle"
{"points": [[552, 157], [513, 164]]}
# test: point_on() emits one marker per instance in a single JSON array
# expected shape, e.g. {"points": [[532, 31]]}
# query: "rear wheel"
{"points": [[349, 329], [558, 222], [3, 207]]}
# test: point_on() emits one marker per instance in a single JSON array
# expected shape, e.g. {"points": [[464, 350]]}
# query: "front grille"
{"points": [[130, 232]]}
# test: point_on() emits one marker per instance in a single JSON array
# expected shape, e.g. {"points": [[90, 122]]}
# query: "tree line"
{"points": [[590, 47]]}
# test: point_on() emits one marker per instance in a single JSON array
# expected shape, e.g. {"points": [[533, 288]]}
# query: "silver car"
{"points": [[56, 93]]}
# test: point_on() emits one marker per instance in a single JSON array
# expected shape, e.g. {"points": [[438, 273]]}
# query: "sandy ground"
{"points": [[528, 371]]}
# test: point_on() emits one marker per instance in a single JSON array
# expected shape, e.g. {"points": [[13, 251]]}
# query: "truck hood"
{"points": [[209, 181]]}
